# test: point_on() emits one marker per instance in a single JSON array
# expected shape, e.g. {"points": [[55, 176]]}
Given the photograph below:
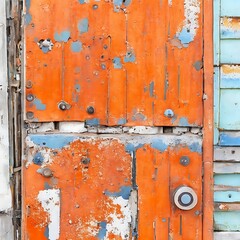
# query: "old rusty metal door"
{"points": [[113, 116]]}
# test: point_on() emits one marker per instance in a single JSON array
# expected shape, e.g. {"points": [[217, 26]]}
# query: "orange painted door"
{"points": [[113, 117]]}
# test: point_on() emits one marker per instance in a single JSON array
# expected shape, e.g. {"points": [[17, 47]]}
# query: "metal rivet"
{"points": [[90, 110], [47, 172], [184, 160], [28, 84], [169, 113], [30, 115], [87, 57], [63, 106], [95, 6], [105, 46], [85, 160], [30, 97]]}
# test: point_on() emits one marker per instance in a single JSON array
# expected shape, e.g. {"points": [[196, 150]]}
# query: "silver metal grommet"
{"points": [[185, 198]]}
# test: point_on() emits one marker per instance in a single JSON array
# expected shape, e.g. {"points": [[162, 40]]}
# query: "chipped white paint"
{"points": [[41, 127], [170, 2], [188, 31], [72, 127], [5, 193], [119, 224], [144, 130], [180, 130], [50, 200]]}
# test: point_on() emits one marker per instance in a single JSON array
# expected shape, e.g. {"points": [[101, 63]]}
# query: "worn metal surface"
{"points": [[108, 187], [105, 55]]}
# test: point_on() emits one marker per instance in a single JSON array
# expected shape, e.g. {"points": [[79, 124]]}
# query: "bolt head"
{"points": [[47, 172], [184, 161], [30, 97], [90, 110]]}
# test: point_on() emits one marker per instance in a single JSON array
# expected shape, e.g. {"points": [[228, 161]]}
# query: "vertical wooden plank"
{"points": [[216, 104], [208, 121], [153, 201], [5, 194], [216, 34], [6, 225]]}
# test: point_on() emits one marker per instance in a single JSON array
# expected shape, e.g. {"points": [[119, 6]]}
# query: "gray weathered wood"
{"points": [[226, 207], [230, 154], [226, 235], [226, 167]]}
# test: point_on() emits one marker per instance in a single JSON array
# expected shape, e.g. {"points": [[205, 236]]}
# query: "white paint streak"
{"points": [[50, 200], [170, 2], [119, 224], [5, 193], [191, 22]]}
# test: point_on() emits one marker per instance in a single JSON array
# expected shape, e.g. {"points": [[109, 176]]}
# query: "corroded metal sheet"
{"points": [[134, 62], [108, 187]]}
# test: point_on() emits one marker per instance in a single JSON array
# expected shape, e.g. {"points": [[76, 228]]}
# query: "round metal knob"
{"points": [[185, 198]]}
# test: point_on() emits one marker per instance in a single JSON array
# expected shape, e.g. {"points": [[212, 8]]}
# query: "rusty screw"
{"points": [[30, 97], [85, 160], [90, 110], [30, 115], [47, 172], [184, 161]]}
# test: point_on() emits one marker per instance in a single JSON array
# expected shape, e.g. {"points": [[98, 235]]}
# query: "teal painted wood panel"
{"points": [[227, 196], [232, 180], [230, 76], [230, 51], [230, 28], [216, 32], [230, 8], [216, 105], [227, 221], [229, 109]]}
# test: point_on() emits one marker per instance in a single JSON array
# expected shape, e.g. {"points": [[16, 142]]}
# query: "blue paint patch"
{"points": [[77, 87], [117, 2], [38, 159], [83, 25], [81, 1], [122, 121], [195, 147], [76, 46], [46, 232], [228, 140], [127, 2], [151, 89], [93, 122], [28, 16], [124, 192], [47, 186], [130, 147], [52, 141], [185, 37], [117, 63], [130, 57], [62, 37], [39, 105], [159, 145], [138, 117], [103, 230], [45, 49], [183, 122]]}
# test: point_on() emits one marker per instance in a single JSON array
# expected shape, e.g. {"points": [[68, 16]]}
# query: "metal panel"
{"points": [[102, 184], [106, 55]]}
